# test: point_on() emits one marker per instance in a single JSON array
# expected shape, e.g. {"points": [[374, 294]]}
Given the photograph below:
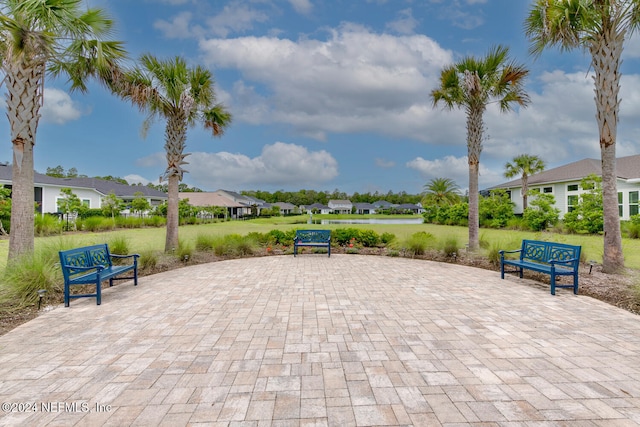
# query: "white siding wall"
{"points": [[50, 196]]}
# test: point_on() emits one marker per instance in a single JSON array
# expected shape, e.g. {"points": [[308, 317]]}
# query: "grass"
{"points": [[146, 239]]}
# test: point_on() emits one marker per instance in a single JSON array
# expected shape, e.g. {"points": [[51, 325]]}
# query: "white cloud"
{"points": [[180, 27], [454, 168], [58, 107], [302, 6], [405, 23], [235, 17], [279, 164], [133, 179], [354, 81]]}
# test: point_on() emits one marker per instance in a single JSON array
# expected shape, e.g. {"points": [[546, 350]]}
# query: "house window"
{"points": [[620, 208], [572, 187], [547, 190], [572, 203], [633, 203], [86, 203]]}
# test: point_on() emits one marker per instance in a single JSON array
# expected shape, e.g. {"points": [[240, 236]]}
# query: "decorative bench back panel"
{"points": [[544, 252], [307, 236]]}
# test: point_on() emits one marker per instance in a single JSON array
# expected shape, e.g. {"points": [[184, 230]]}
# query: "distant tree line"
{"points": [[309, 197]]}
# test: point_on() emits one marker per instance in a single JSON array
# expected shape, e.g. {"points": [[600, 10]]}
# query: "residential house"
{"points": [[364, 208], [252, 205], [233, 209], [564, 183], [382, 205], [409, 207], [89, 190], [340, 206], [285, 208], [316, 208]]}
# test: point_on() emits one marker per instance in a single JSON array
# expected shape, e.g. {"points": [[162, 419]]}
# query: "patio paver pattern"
{"points": [[342, 341]]}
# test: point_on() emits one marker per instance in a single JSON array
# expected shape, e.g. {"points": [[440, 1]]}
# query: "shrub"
{"points": [[148, 260], [205, 242], [46, 225], [284, 238], [24, 277], [344, 236], [450, 247], [634, 231], [496, 210], [184, 252], [119, 245], [387, 238], [97, 223], [368, 238], [419, 242], [541, 214]]}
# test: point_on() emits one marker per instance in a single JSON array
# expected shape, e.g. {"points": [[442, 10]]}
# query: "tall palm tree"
{"points": [[441, 192], [184, 97], [524, 165], [472, 84], [40, 38], [599, 27]]}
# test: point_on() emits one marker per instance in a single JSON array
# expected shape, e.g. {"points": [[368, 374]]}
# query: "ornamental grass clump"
{"points": [[30, 273]]}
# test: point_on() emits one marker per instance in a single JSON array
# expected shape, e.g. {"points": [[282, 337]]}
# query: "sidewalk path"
{"points": [[342, 341]]}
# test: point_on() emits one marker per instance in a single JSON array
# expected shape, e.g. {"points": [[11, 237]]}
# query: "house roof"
{"points": [[382, 204], [339, 202], [209, 199], [364, 206], [284, 205], [100, 185], [626, 168]]}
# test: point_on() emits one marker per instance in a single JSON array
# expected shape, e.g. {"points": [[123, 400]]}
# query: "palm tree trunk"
{"points": [[606, 52], [475, 126], [176, 134], [525, 191], [24, 98], [173, 219]]}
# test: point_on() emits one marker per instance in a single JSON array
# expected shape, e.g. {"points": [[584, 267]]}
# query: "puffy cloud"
{"points": [[58, 107], [180, 27], [279, 164], [385, 164], [405, 23], [354, 81], [455, 168], [302, 6]]}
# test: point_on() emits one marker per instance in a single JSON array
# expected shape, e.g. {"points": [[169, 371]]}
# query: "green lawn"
{"points": [[153, 238]]}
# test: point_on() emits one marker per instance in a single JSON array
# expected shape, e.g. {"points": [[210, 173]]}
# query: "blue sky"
{"points": [[331, 94]]}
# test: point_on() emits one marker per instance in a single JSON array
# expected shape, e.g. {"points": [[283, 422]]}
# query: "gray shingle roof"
{"points": [[626, 168], [102, 186]]}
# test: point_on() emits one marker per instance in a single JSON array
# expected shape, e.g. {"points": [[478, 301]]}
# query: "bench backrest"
{"points": [[88, 256], [308, 236], [543, 252]]}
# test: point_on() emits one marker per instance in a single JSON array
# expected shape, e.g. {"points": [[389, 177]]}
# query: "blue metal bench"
{"points": [[555, 259], [91, 265], [313, 238]]}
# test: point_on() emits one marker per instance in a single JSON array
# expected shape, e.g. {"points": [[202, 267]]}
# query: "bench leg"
{"points": [[329, 250], [66, 295], [575, 284], [295, 250], [502, 271], [98, 293], [553, 284]]}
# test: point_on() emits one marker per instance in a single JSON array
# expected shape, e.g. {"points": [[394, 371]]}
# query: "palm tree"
{"points": [[524, 165], [184, 97], [472, 84], [40, 38], [600, 27], [441, 192]]}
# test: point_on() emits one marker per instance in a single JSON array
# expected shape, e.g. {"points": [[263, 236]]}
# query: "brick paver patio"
{"points": [[342, 341]]}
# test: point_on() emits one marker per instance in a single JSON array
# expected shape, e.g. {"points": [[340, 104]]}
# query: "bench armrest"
{"points": [[98, 267], [502, 252]]}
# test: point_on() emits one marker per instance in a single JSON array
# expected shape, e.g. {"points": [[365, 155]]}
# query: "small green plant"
{"points": [[148, 260], [450, 247], [387, 238], [119, 245], [184, 252]]}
